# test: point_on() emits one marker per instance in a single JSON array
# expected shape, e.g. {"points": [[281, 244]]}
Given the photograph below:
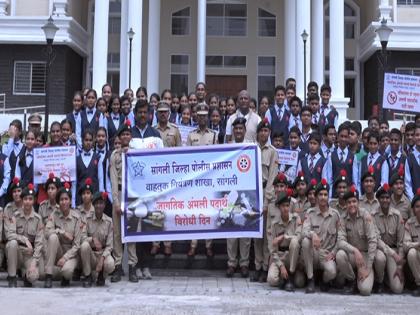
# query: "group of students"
{"points": [[351, 203]]}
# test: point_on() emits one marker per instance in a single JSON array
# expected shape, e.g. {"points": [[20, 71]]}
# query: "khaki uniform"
{"points": [[196, 138], [357, 233], [6, 218], [403, 206], [83, 213], [59, 246], [21, 229], [391, 232], [269, 161], [10, 209], [325, 226], [46, 209], [369, 205], [287, 252], [335, 204], [300, 207], [102, 230], [115, 170], [273, 214], [412, 246]]}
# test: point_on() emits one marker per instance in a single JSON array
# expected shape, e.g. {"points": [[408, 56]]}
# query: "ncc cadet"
{"points": [[412, 241], [25, 235], [241, 244], [15, 190], [115, 169], [340, 187], [368, 200], [357, 243], [302, 204], [201, 136], [63, 233], [286, 229], [311, 195], [86, 193], [269, 161], [97, 241], [48, 206], [171, 137], [399, 200], [389, 257], [319, 244]]}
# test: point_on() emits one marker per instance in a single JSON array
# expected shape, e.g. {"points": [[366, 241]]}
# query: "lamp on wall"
{"points": [[130, 34], [304, 36]]}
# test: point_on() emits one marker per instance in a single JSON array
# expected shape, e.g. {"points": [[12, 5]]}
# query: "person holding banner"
{"points": [[115, 170], [244, 244], [269, 161], [201, 136]]}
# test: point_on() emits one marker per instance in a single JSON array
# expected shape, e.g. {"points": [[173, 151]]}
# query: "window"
{"points": [[226, 61], [113, 60], [349, 64], [266, 23], [179, 73], [266, 76], [226, 19], [29, 78], [114, 25], [350, 90], [113, 78], [409, 71], [115, 6], [408, 2], [181, 22]]}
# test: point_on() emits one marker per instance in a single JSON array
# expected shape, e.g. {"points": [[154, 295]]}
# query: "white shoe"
{"points": [[146, 274]]}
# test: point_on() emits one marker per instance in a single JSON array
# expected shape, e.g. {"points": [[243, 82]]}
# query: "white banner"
{"points": [[288, 157], [401, 92], [188, 193], [58, 160], [184, 131]]}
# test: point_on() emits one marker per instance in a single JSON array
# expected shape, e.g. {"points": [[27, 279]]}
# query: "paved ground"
{"points": [[180, 292]]}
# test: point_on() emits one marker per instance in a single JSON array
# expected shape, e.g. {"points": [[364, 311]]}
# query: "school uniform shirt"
{"points": [[326, 151], [252, 121], [92, 120], [25, 167], [113, 123], [380, 166], [318, 163], [12, 150], [129, 117], [87, 166], [395, 162], [76, 120], [295, 121], [328, 115], [102, 167], [412, 173], [4, 174], [315, 118], [304, 141], [279, 118]]}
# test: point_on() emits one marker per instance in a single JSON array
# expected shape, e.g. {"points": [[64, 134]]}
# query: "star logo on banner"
{"points": [[138, 168]]}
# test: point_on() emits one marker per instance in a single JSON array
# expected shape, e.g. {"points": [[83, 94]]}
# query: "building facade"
{"points": [[229, 44]]}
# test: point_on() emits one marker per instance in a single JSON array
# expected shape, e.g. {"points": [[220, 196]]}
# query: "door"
{"points": [[226, 85]]}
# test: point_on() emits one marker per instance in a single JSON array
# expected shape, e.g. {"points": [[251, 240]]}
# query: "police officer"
{"points": [[63, 234], [97, 241], [202, 136], [285, 231], [34, 123], [25, 237], [390, 253], [115, 169], [171, 137], [357, 244], [412, 241], [319, 245], [269, 166]]}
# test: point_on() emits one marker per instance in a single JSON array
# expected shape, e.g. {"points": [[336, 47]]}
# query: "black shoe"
{"points": [[189, 262], [378, 288], [324, 286], [132, 276], [100, 282], [290, 283], [349, 287], [26, 283], [116, 276], [65, 283], [48, 281], [263, 277], [244, 272], [416, 292], [12, 282], [310, 288], [77, 275], [87, 281], [230, 272], [255, 276]]}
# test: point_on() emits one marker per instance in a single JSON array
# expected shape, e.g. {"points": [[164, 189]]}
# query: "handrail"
{"points": [[21, 108]]}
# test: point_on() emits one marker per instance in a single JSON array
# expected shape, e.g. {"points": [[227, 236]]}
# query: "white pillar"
{"points": [[100, 45], [317, 42], [303, 22], [201, 41], [153, 47], [337, 58], [60, 7], [124, 47], [135, 20], [289, 39]]}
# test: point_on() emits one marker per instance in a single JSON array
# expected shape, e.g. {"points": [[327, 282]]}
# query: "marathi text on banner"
{"points": [[288, 157], [58, 160], [192, 193], [401, 92]]}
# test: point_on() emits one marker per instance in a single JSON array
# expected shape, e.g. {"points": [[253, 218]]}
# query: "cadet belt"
{"points": [[119, 187], [264, 184], [283, 249]]}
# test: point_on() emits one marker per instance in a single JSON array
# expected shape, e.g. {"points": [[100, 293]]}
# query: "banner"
{"points": [[184, 131], [188, 193], [401, 92], [58, 160], [288, 157]]}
